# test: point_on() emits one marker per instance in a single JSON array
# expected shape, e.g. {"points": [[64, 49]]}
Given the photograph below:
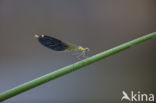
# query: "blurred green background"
{"points": [[97, 24]]}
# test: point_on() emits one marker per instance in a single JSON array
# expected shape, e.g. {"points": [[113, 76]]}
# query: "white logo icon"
{"points": [[125, 96]]}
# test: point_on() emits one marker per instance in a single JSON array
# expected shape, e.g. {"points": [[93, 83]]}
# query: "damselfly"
{"points": [[58, 45]]}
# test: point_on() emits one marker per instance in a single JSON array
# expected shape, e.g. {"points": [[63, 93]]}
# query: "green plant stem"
{"points": [[65, 70]]}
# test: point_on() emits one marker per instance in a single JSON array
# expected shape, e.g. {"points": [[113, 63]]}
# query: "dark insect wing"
{"points": [[52, 43]]}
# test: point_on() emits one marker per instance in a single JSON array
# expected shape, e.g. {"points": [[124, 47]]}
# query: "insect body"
{"points": [[58, 45]]}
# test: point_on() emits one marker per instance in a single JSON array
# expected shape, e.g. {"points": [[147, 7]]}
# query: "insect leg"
{"points": [[79, 56], [84, 54]]}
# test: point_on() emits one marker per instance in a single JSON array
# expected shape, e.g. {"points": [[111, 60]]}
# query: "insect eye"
{"points": [[87, 49]]}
